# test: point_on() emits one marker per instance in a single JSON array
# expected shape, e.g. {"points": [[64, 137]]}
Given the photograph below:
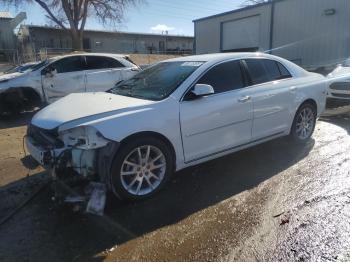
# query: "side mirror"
{"points": [[200, 90]]}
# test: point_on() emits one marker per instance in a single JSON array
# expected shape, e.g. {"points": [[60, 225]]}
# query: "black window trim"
{"points": [[243, 72], [82, 57], [264, 58], [122, 67]]}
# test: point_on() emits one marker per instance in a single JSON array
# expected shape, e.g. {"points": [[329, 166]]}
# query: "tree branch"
{"points": [[46, 8]]}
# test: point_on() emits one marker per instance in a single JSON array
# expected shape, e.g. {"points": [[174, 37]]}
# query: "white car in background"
{"points": [[339, 82], [175, 114], [57, 77]]}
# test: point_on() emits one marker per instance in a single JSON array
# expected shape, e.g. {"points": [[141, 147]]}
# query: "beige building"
{"points": [[34, 38]]}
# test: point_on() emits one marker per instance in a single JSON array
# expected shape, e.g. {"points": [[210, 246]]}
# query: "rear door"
{"points": [[67, 77], [103, 73], [272, 97], [218, 122]]}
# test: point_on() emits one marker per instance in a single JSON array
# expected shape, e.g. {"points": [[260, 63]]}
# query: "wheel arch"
{"points": [[308, 101], [154, 135], [22, 91]]}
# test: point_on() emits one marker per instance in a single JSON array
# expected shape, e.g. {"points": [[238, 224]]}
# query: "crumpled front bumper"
{"points": [[79, 190]]}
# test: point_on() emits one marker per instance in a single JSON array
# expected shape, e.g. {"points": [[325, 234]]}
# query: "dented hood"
{"points": [[83, 105], [6, 77]]}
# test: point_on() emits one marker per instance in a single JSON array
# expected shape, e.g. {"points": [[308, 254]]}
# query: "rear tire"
{"points": [[141, 168], [304, 123]]}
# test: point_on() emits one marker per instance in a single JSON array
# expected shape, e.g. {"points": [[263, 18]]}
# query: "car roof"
{"points": [[222, 56], [211, 59], [91, 54]]}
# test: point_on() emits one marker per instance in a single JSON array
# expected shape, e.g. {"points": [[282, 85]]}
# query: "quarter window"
{"points": [[69, 64], [101, 62], [224, 77], [284, 72], [264, 70]]}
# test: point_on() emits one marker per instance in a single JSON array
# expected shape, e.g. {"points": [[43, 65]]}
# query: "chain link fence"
{"points": [[17, 57]]}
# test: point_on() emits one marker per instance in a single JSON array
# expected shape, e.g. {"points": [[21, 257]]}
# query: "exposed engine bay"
{"points": [[73, 159]]}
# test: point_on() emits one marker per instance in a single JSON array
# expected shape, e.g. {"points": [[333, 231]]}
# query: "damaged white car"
{"points": [[175, 114], [49, 80]]}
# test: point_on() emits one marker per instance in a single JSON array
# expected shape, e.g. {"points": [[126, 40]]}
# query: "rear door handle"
{"points": [[244, 99]]}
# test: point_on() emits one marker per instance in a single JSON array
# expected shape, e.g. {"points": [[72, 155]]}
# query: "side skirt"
{"points": [[232, 150]]}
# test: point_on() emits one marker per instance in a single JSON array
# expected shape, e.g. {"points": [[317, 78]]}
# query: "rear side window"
{"points": [[69, 64], [264, 70], [284, 71], [101, 62], [224, 77]]}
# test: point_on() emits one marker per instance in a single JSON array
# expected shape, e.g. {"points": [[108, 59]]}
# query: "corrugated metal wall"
{"points": [[312, 33], [303, 31]]}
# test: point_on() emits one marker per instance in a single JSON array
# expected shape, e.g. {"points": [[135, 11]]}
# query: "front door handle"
{"points": [[244, 99]]}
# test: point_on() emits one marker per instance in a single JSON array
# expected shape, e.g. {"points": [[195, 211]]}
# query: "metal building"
{"points": [[34, 38], [312, 33], [7, 36]]}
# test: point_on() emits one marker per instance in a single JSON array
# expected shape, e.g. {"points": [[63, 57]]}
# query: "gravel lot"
{"points": [[273, 202]]}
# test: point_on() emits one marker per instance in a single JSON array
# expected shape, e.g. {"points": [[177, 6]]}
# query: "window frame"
{"points": [[243, 73], [103, 57], [251, 84], [82, 58]]}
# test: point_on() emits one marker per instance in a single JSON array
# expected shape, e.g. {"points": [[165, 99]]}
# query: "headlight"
{"points": [[84, 137]]}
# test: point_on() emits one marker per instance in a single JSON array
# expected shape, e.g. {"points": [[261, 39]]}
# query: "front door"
{"points": [[218, 122], [63, 77]]}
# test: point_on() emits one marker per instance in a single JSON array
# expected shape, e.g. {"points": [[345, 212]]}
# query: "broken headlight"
{"points": [[83, 137]]}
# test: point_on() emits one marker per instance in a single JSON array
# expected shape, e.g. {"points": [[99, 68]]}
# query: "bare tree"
{"points": [[254, 2], [71, 15]]}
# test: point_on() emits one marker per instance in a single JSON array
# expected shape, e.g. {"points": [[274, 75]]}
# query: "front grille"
{"points": [[47, 139], [341, 95], [340, 86]]}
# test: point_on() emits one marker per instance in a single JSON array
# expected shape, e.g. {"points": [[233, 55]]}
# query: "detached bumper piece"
{"points": [[83, 195]]}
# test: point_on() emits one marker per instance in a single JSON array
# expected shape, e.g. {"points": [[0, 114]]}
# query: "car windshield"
{"points": [[39, 65], [19, 69], [156, 82]]}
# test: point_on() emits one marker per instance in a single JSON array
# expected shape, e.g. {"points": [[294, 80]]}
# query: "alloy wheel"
{"points": [[143, 170], [305, 123]]}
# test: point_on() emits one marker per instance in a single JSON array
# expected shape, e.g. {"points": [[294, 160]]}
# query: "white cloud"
{"points": [[161, 28]]}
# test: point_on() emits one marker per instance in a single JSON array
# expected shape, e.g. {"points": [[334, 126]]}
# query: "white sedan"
{"points": [[49, 80], [175, 114]]}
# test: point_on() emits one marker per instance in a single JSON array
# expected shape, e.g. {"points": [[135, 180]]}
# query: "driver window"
{"points": [[69, 64], [224, 77]]}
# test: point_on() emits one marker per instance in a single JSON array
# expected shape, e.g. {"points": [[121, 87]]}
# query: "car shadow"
{"points": [[81, 237], [338, 115], [199, 187], [15, 120]]}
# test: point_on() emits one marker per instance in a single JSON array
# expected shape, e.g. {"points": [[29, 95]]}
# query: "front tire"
{"points": [[141, 168], [304, 123]]}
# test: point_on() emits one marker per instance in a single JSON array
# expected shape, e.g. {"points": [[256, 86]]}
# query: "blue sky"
{"points": [[152, 16]]}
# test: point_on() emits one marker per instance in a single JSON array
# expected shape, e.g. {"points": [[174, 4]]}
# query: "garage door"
{"points": [[242, 34]]}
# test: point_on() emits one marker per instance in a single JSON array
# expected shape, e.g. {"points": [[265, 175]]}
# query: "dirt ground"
{"points": [[274, 202]]}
